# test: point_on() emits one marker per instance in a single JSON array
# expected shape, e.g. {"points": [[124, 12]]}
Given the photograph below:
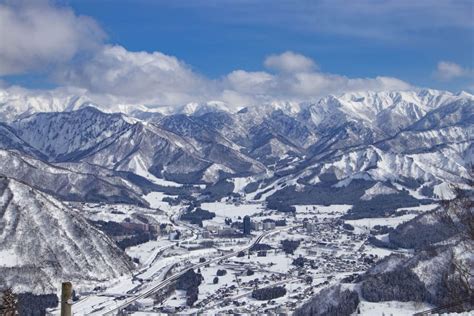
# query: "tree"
{"points": [[289, 246], [459, 215], [400, 284], [269, 293], [10, 303]]}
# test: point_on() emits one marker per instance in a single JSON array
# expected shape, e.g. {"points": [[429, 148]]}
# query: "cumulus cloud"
{"points": [[317, 84], [35, 35], [249, 82], [304, 86], [289, 62], [159, 79], [137, 76], [297, 79], [447, 70]]}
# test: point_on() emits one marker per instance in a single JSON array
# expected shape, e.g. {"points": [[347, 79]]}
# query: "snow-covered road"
{"points": [[149, 280]]}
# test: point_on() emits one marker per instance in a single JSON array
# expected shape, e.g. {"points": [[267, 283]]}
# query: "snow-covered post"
{"points": [[66, 299]]}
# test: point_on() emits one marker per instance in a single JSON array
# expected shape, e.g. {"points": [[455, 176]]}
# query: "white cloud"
{"points": [[243, 88], [35, 35], [116, 75], [137, 77], [447, 70], [318, 84], [249, 82], [289, 62]]}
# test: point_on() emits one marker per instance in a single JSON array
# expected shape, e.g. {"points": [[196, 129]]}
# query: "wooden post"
{"points": [[66, 299]]}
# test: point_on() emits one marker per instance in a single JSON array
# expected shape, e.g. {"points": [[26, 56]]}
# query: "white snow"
{"points": [[211, 174], [444, 191], [146, 252], [226, 210], [241, 183], [394, 308], [138, 166], [377, 189], [369, 223], [155, 199], [9, 258], [323, 211]]}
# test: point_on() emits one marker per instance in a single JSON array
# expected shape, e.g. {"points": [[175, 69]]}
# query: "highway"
{"points": [[83, 306], [163, 284], [113, 300]]}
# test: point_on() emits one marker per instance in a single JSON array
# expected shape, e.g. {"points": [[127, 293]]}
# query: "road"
{"points": [[245, 294], [163, 284], [108, 304], [150, 267]]}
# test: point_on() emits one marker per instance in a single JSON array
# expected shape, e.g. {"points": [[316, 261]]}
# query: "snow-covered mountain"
{"points": [[422, 135], [10, 140], [118, 142], [376, 151], [17, 102], [78, 184], [63, 136], [431, 169], [42, 241]]}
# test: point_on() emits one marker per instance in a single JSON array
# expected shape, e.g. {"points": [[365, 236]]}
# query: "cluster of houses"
{"points": [[263, 225], [164, 229], [240, 229]]}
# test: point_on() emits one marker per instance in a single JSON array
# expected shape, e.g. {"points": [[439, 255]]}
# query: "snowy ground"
{"points": [[241, 183], [119, 212], [392, 308], [322, 211], [366, 224], [147, 252], [155, 199], [335, 251], [138, 165], [9, 258], [226, 210]]}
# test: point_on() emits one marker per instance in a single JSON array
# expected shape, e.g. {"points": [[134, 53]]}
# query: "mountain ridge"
{"points": [[208, 146], [32, 223]]}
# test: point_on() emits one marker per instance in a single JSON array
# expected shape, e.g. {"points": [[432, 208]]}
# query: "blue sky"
{"points": [[422, 43], [217, 37]]}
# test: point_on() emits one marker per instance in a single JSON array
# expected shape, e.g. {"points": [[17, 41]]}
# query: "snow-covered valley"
{"points": [[206, 210]]}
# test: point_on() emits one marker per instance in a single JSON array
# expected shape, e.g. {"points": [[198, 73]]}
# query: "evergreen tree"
{"points": [[10, 303]]}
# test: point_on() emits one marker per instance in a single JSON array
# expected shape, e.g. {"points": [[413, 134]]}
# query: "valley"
{"points": [[327, 252], [269, 209]]}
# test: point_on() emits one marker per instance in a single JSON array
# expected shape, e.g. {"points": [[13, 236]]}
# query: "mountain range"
{"points": [[399, 148], [421, 135]]}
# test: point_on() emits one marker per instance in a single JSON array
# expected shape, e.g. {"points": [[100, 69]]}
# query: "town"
{"points": [[299, 253]]}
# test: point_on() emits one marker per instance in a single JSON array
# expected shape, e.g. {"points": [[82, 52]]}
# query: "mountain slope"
{"points": [[206, 143], [69, 136], [117, 142], [10, 140], [67, 184], [42, 242]]}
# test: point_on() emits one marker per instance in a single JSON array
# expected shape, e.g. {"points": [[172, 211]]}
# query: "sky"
{"points": [[239, 52]]}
